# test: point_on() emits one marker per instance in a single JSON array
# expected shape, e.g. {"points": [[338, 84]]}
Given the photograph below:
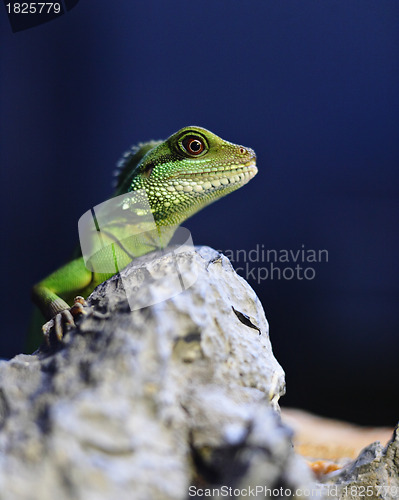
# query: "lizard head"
{"points": [[189, 170]]}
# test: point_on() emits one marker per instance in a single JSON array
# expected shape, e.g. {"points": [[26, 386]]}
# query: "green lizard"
{"points": [[179, 176]]}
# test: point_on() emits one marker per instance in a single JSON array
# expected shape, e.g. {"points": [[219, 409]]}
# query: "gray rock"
{"points": [[374, 474], [144, 404]]}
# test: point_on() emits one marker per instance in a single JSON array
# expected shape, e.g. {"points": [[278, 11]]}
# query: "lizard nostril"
{"points": [[243, 151]]}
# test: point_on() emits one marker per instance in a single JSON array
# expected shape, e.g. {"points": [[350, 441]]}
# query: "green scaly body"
{"points": [[179, 176]]}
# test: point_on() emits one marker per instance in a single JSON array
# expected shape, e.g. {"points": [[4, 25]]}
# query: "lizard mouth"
{"points": [[211, 179], [230, 173]]}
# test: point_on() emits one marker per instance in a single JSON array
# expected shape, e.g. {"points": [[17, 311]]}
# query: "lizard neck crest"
{"points": [[126, 166]]}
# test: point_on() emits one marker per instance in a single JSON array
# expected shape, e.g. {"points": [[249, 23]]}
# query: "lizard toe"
{"points": [[58, 325]]}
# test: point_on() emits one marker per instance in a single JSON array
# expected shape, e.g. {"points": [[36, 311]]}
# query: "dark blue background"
{"points": [[312, 86]]}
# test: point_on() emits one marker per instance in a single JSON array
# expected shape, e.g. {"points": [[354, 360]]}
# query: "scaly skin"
{"points": [[180, 176]]}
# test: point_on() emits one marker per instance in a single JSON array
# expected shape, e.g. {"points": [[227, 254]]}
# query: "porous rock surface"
{"points": [[152, 403], [374, 474]]}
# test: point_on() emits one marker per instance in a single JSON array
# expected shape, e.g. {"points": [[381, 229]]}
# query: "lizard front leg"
{"points": [[51, 295]]}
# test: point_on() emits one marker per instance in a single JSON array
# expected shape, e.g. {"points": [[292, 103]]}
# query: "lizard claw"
{"points": [[46, 329], [79, 304], [64, 319]]}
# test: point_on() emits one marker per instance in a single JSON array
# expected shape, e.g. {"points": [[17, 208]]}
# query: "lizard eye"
{"points": [[193, 145]]}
